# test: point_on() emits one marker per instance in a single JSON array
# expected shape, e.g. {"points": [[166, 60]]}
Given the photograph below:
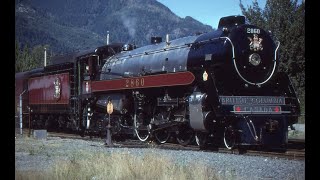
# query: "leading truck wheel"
{"points": [[141, 130], [229, 137]]}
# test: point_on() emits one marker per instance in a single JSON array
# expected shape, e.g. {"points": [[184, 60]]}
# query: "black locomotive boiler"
{"points": [[224, 84]]}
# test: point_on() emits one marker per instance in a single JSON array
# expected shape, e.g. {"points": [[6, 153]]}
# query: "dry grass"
{"points": [[296, 134], [126, 166], [82, 164]]}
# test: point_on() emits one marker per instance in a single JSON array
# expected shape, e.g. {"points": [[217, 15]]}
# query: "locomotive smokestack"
{"points": [[107, 37], [45, 57]]}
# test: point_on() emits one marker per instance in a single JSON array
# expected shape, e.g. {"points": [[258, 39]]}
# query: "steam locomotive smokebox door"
{"points": [[198, 117]]}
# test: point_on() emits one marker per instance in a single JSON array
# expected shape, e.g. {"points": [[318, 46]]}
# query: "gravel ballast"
{"points": [[39, 155]]}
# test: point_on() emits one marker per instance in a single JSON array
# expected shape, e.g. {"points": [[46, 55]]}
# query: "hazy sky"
{"points": [[207, 11]]}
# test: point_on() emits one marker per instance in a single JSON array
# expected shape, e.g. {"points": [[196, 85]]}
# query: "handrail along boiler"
{"points": [[223, 84]]}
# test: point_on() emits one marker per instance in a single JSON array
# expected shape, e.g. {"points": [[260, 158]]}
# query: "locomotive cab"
{"points": [[90, 66]]}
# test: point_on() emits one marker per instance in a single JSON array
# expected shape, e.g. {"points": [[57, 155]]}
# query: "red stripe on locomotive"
{"points": [[50, 89], [171, 79]]}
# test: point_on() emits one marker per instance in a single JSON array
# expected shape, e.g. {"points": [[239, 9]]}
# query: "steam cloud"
{"points": [[130, 24]]}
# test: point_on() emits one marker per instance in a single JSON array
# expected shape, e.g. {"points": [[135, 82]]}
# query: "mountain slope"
{"points": [[68, 25]]}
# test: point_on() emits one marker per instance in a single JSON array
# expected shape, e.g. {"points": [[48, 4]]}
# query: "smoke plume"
{"points": [[130, 24]]}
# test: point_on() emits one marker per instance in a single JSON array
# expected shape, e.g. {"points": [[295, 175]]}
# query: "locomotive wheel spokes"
{"points": [[201, 138], [160, 115], [142, 131], [162, 135], [184, 135], [229, 137]]}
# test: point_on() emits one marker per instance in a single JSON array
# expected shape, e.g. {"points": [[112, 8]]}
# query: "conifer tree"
{"points": [[27, 58]]}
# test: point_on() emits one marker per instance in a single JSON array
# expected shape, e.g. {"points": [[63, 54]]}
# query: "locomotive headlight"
{"points": [[255, 59]]}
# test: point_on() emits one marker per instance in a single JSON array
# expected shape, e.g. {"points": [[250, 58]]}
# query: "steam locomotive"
{"points": [[222, 85]]}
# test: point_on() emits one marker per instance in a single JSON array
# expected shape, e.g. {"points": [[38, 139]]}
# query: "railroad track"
{"points": [[295, 149]]}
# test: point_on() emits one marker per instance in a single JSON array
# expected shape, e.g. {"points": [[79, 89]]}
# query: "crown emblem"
{"points": [[57, 88], [255, 43]]}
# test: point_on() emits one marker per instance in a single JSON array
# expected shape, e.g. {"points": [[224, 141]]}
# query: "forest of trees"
{"points": [[28, 58]]}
